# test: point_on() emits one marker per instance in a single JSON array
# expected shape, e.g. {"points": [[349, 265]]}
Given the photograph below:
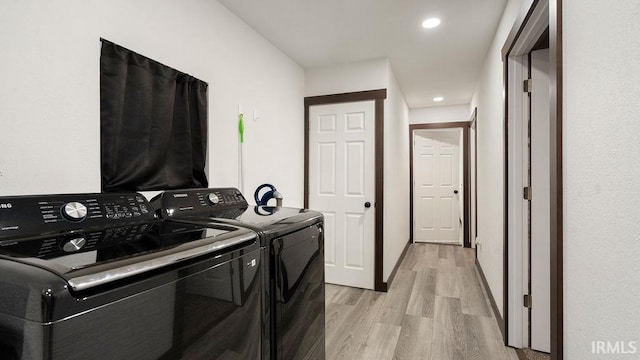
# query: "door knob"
{"points": [[367, 204], [455, 191]]}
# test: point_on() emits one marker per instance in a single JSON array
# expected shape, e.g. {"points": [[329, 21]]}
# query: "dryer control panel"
{"points": [[198, 202], [22, 216]]}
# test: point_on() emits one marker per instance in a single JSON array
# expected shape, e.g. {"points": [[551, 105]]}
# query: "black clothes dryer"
{"points": [[97, 276], [292, 240]]}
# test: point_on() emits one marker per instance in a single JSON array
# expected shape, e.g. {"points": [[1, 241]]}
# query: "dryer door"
{"points": [[299, 305]]}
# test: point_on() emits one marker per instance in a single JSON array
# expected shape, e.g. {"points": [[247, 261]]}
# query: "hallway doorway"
{"points": [[462, 198], [533, 178]]}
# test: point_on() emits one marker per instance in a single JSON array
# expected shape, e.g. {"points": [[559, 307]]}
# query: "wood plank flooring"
{"points": [[436, 309]]}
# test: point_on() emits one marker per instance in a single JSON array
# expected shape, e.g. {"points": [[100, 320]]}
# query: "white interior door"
{"points": [[341, 182], [540, 203], [436, 210]]}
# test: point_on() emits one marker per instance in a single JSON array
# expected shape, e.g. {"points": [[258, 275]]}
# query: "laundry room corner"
{"points": [[50, 108]]}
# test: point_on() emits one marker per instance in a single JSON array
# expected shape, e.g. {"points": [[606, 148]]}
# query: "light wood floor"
{"points": [[435, 309]]}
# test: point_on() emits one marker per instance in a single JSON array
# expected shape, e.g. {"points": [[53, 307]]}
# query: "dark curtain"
{"points": [[153, 124]]}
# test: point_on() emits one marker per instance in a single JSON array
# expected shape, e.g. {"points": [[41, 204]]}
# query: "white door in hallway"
{"points": [[436, 209], [540, 203], [342, 187]]}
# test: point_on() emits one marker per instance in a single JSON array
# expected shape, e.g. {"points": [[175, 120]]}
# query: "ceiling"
{"points": [[445, 61]]}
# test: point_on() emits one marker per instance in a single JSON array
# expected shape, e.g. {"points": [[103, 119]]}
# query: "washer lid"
{"points": [[96, 257]]}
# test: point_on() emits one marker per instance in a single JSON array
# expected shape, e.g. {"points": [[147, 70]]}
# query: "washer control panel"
{"points": [[30, 215], [194, 202]]}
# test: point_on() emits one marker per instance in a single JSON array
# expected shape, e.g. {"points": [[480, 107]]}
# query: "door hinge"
{"points": [[527, 301], [527, 85], [526, 193]]}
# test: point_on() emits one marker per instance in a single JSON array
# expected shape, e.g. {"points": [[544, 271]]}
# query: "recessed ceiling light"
{"points": [[430, 23], [438, 98]]}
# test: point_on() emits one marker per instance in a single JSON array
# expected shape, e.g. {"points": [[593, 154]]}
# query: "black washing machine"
{"points": [[97, 276], [292, 240]]}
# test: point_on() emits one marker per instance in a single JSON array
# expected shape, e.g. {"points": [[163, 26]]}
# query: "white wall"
{"points": [[439, 114], [50, 95], [372, 75], [489, 99], [601, 175], [396, 175], [350, 77]]}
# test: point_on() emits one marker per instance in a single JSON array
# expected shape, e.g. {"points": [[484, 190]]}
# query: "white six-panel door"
{"points": [[341, 181], [435, 172]]}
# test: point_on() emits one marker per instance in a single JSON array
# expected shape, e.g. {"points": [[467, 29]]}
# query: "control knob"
{"points": [[213, 199], [74, 211], [74, 244]]}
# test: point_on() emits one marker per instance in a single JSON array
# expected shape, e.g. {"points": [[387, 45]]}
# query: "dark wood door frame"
{"points": [[556, 159], [466, 169], [378, 96]]}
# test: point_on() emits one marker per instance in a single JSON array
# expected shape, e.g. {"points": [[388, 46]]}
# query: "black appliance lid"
{"points": [[99, 257], [113, 246], [227, 205]]}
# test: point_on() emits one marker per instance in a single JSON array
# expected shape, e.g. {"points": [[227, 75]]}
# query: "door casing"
{"points": [[455, 186], [378, 96]]}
